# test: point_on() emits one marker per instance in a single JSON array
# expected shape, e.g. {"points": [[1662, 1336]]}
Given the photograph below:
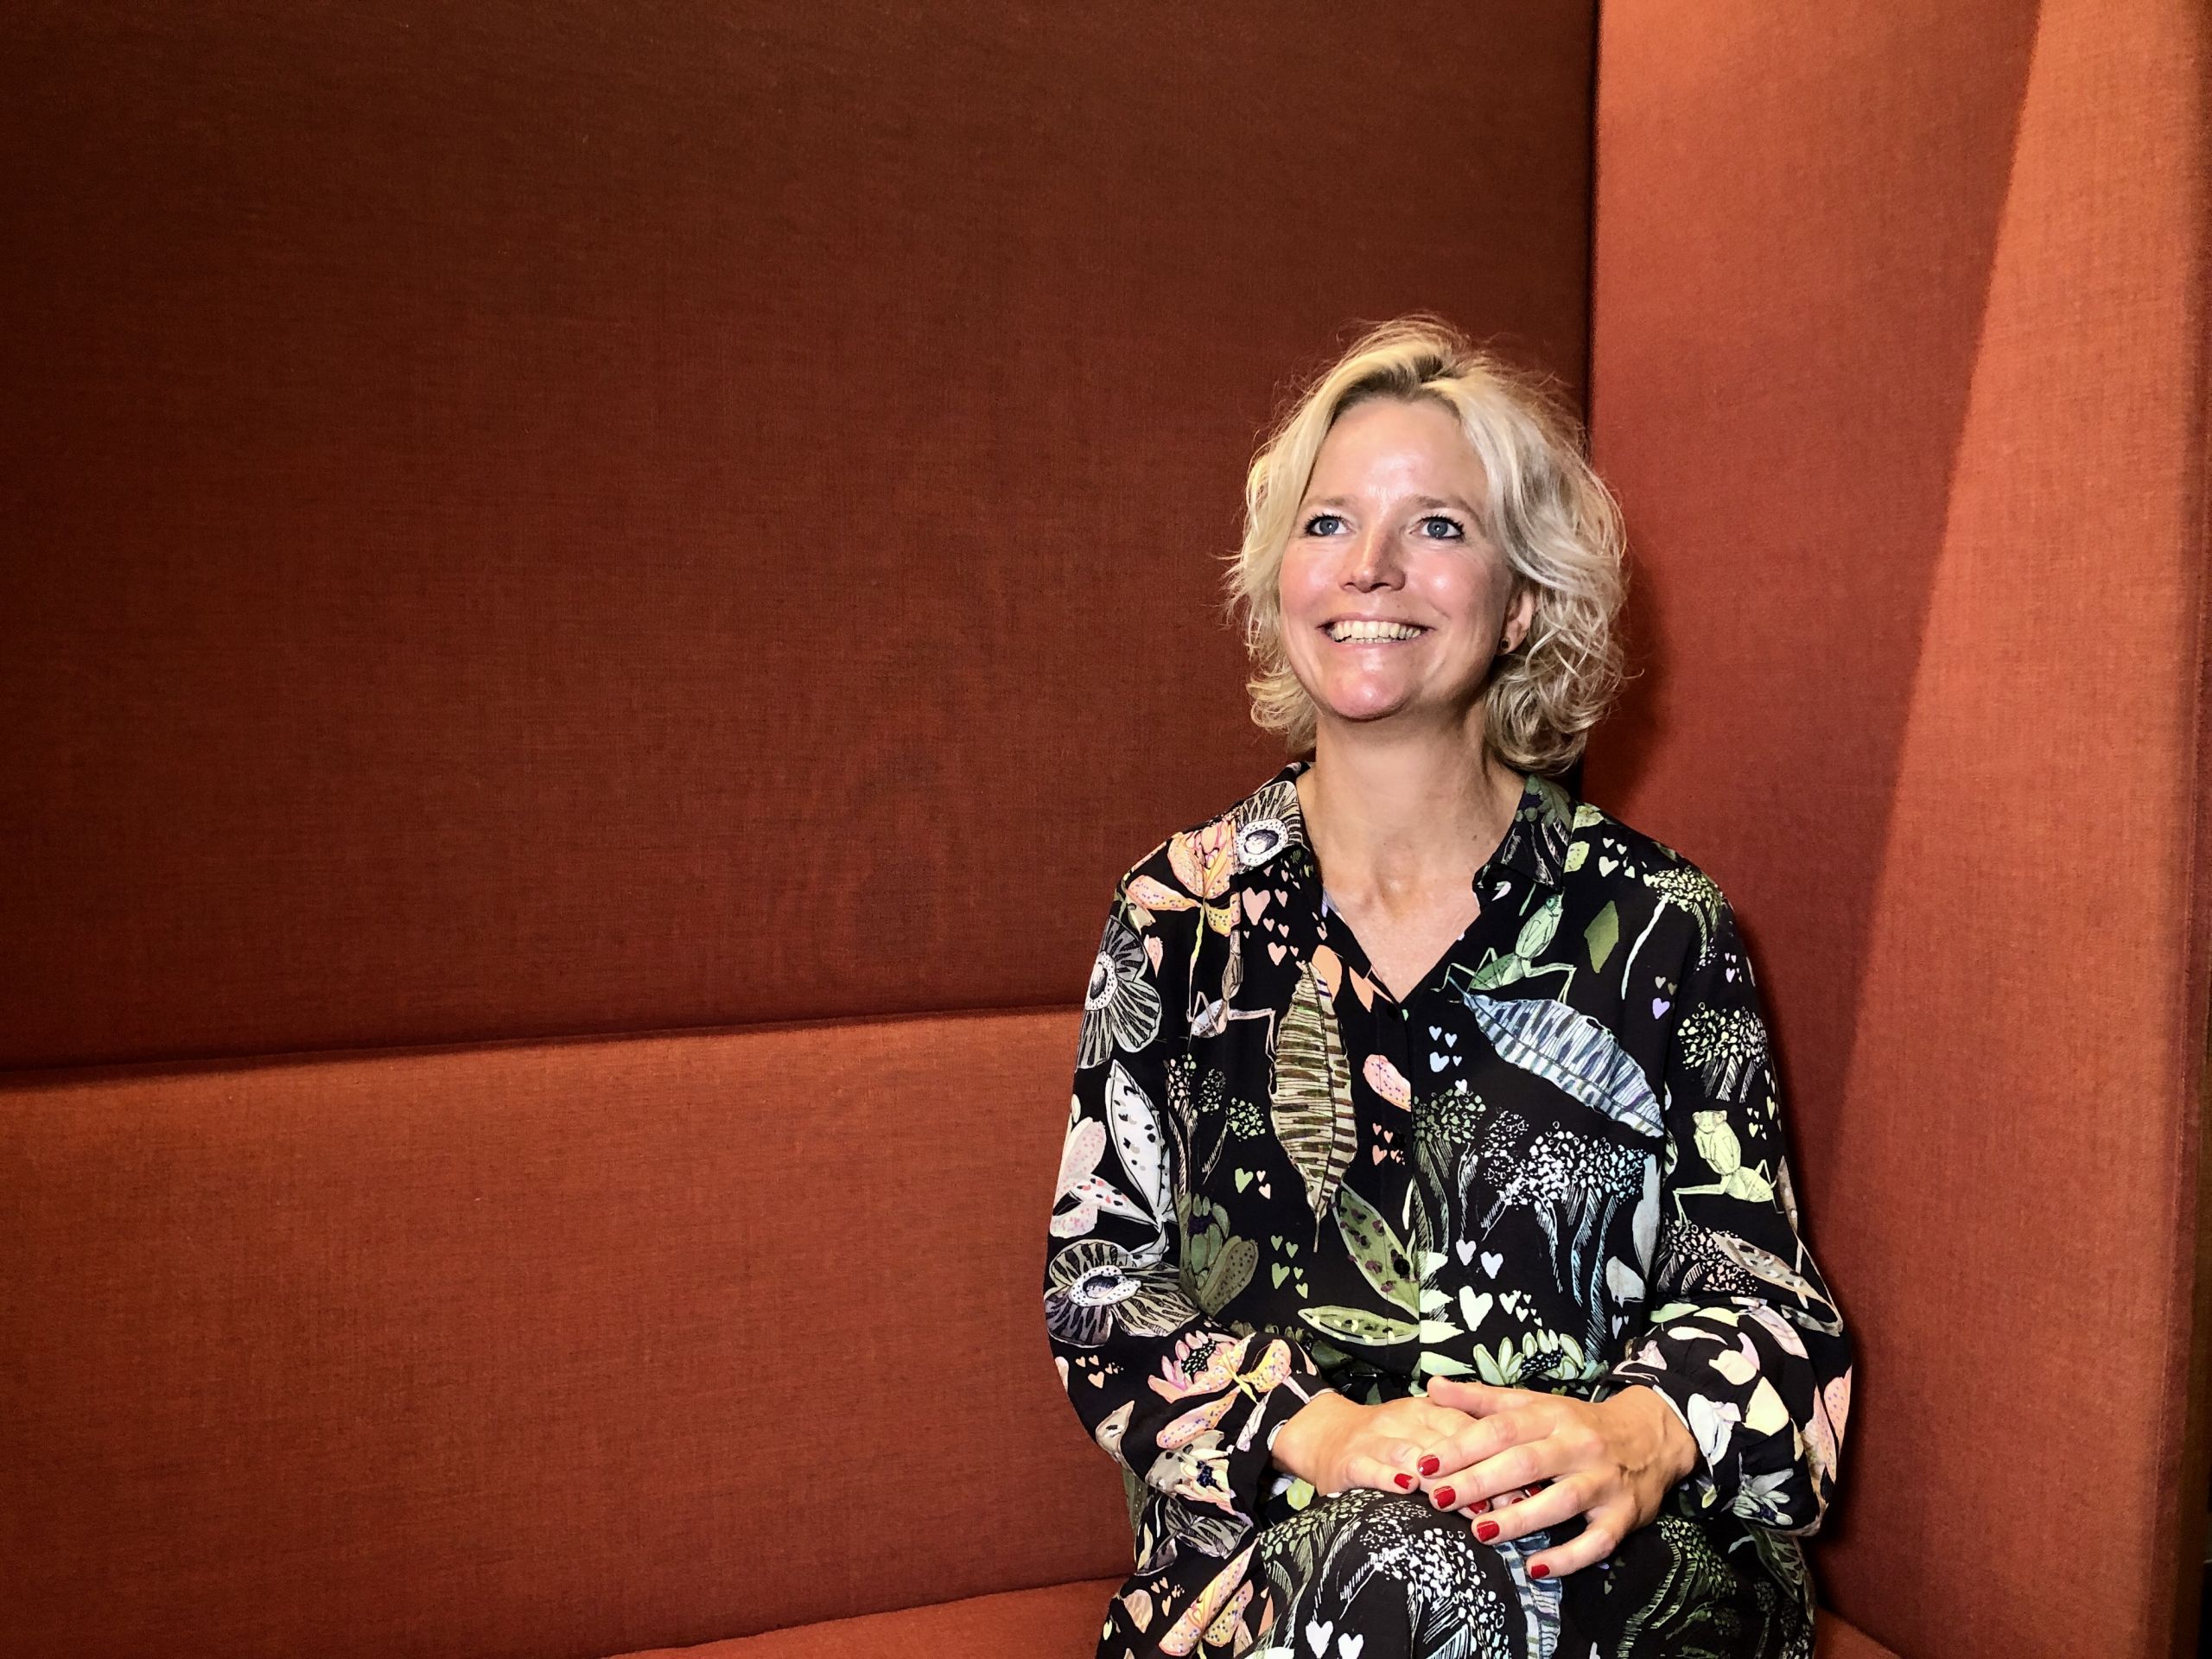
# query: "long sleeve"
{"points": [[1744, 1340], [1187, 1405]]}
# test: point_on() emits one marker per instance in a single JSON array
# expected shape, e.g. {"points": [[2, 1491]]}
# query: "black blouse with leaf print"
{"points": [[1557, 1164]]}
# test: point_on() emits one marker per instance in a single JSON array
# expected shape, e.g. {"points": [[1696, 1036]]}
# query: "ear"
{"points": [[1521, 614]]}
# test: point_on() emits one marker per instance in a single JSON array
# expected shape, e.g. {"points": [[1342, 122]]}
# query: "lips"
{"points": [[1411, 639]]}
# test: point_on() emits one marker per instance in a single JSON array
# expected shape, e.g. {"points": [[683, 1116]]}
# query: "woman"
{"points": [[1424, 1248]]}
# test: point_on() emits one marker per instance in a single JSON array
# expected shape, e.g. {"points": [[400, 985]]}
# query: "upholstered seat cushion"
{"points": [[1061, 1621]]}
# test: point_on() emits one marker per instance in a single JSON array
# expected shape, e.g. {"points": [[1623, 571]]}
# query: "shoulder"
{"points": [[1649, 883], [1199, 861], [1621, 853]]}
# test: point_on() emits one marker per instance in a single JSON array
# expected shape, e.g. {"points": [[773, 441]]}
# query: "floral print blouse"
{"points": [[1557, 1164]]}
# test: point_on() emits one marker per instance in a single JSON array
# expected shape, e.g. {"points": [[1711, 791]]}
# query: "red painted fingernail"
{"points": [[1443, 1497], [1431, 1464], [1486, 1530], [1405, 1481], [1538, 1570]]}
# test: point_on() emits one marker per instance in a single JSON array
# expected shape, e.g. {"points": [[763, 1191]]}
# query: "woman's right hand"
{"points": [[1333, 1442]]}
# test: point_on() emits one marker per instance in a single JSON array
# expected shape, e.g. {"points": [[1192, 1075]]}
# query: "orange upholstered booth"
{"points": [[595, 598]]}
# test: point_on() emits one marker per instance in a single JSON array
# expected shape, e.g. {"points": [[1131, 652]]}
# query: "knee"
{"points": [[1393, 1568]]}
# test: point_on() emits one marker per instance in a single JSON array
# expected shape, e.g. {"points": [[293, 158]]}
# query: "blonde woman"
{"points": [[1425, 1249]]}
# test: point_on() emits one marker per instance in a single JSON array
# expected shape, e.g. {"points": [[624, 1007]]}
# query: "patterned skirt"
{"points": [[1366, 1574]]}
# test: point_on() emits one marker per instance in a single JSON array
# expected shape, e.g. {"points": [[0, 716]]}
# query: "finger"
{"points": [[1481, 1442], [1390, 1469], [1592, 1544], [1494, 1458], [1517, 1514], [1450, 1489], [1477, 1399]]}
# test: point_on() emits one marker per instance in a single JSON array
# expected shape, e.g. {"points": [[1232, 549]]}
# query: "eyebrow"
{"points": [[1418, 501]]}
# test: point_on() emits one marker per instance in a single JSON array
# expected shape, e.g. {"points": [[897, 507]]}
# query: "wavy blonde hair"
{"points": [[1546, 512]]}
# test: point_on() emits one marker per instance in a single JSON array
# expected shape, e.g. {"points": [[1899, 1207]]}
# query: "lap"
{"points": [[1380, 1575], [1367, 1575], [1362, 1574]]}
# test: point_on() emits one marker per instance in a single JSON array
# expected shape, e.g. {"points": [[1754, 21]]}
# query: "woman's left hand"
{"points": [[1611, 1462]]}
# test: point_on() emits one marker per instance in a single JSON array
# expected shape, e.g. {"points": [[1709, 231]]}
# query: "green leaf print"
{"points": [[1356, 1325], [1538, 1354], [1503, 1368], [1230, 1272], [1603, 934], [1216, 1265], [1313, 1107], [1374, 1247]]}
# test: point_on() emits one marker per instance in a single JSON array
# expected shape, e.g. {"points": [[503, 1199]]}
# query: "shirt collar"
{"points": [[1535, 845]]}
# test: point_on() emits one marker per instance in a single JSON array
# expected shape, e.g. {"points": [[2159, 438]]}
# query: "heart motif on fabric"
{"points": [[1243, 1179], [1438, 1062], [1377, 1154], [1319, 1634], [1282, 1273], [1659, 1006], [1451, 1039], [1730, 971], [1474, 1309], [1466, 1247], [1349, 1646], [1255, 901], [1492, 1261], [1607, 866], [1275, 949], [1275, 1239]]}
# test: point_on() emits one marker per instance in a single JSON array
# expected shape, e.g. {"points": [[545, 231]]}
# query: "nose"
{"points": [[1372, 559]]}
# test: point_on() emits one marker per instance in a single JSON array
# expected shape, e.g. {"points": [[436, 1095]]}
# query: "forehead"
{"points": [[1391, 444]]}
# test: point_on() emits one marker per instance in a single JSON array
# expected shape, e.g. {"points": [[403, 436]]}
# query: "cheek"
{"points": [[1301, 599], [1461, 591], [1299, 585]]}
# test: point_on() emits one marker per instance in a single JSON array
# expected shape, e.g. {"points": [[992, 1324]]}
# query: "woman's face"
{"points": [[1388, 531]]}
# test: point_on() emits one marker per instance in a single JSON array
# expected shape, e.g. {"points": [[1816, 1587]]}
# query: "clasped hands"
{"points": [[1518, 1460]]}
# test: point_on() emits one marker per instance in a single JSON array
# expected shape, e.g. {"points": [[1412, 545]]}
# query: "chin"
{"points": [[1361, 714]]}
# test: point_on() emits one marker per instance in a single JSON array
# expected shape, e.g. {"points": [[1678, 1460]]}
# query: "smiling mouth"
{"points": [[1359, 640]]}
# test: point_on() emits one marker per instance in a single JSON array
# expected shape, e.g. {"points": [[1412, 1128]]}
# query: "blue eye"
{"points": [[1321, 517], [1453, 533]]}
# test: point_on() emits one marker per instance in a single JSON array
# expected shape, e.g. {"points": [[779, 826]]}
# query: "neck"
{"points": [[1396, 822]]}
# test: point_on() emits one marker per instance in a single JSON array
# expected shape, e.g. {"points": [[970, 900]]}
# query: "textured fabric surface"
{"points": [[1900, 337], [537, 1350], [542, 519], [1837, 1637], [1053, 1623], [1050, 1623]]}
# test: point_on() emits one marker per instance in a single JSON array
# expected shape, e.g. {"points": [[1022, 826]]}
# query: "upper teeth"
{"points": [[1372, 631]]}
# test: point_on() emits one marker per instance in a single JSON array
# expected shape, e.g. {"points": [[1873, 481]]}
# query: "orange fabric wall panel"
{"points": [[1899, 336], [538, 1348], [548, 519]]}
